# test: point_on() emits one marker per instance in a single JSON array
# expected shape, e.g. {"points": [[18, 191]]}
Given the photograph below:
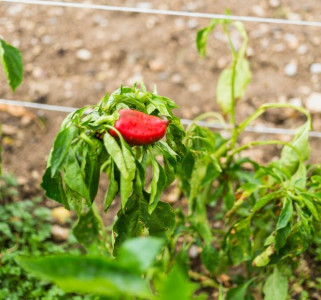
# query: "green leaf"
{"points": [[276, 286], [311, 207], [220, 293], [289, 158], [116, 153], [61, 147], [135, 219], [89, 230], [202, 36], [94, 275], [264, 258], [281, 236], [263, 201], [286, 213], [210, 258], [224, 85], [239, 292], [140, 253], [176, 286], [157, 185], [112, 188], [197, 176], [12, 64], [74, 177], [126, 188], [53, 187], [239, 243]]}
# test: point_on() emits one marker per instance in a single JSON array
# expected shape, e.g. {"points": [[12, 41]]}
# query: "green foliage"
{"points": [[235, 211], [276, 286], [11, 60], [84, 148], [25, 229]]}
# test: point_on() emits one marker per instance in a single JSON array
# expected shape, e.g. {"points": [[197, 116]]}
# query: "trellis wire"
{"points": [[186, 122], [168, 12]]}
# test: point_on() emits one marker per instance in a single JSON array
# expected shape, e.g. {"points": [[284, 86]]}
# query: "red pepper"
{"points": [[138, 128]]}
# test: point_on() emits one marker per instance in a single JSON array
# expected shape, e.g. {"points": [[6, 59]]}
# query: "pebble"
{"points": [[313, 103], [274, 3], [258, 10], [9, 129], [15, 9], [279, 47], [46, 39], [291, 69], [176, 78], [291, 40], [83, 54], [195, 87], [193, 251], [296, 102], [59, 233], [100, 20], [179, 24], [303, 89], [192, 23], [315, 68], [156, 65], [144, 5], [61, 214], [303, 49]]}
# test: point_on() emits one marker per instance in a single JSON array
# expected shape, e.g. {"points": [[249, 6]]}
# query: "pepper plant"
{"points": [[242, 216]]}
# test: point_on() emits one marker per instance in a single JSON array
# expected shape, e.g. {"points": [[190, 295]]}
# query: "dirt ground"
{"points": [[72, 57]]}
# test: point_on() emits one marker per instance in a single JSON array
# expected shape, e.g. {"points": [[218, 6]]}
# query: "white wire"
{"points": [[186, 122], [167, 12]]}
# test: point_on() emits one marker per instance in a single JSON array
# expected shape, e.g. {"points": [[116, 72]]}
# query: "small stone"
{"points": [[303, 89], [14, 10], [293, 16], [193, 251], [46, 39], [22, 180], [162, 76], [35, 174], [176, 78], [156, 65], [144, 5], [61, 214], [222, 62], [296, 102], [250, 51], [291, 40], [313, 103], [258, 10], [315, 68], [303, 49], [9, 129], [192, 23], [279, 47], [274, 3], [59, 234], [100, 20], [282, 99], [291, 69], [36, 50], [38, 73], [151, 22], [179, 24], [195, 87], [77, 43], [83, 54]]}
